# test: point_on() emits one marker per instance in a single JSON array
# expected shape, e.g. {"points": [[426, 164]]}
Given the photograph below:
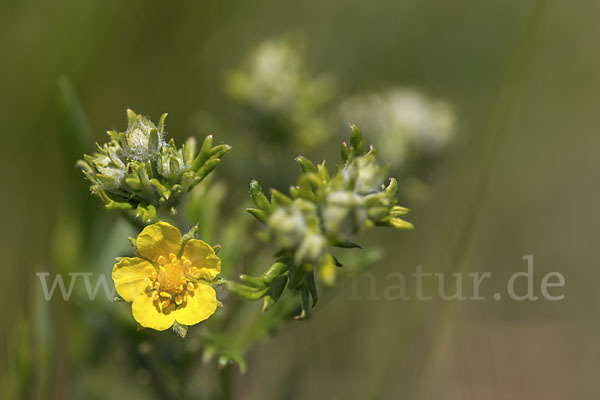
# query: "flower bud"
{"points": [[363, 174], [171, 163], [344, 213], [109, 170], [311, 249], [288, 226], [143, 138]]}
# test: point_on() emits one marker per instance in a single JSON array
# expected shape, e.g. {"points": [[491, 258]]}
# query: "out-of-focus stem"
{"points": [[226, 382]]}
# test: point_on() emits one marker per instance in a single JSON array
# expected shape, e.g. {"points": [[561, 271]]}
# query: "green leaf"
{"points": [[399, 211], [246, 292], [346, 244], [146, 213], [161, 124], [220, 150], [310, 282], [190, 149], [297, 276], [276, 270], [275, 291], [400, 224], [356, 140], [392, 188], [259, 198], [204, 153], [322, 172], [344, 153], [260, 215], [279, 199], [206, 169], [304, 294], [257, 282], [154, 141], [162, 190], [306, 165]]}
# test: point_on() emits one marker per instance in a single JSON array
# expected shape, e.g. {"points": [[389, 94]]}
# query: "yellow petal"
{"points": [[205, 263], [129, 276], [159, 239], [147, 314], [201, 303], [328, 271]]}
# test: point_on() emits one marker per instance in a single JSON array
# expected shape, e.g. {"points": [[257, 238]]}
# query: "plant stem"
{"points": [[226, 382]]}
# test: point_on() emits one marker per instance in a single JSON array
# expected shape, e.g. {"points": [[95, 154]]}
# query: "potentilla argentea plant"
{"points": [[170, 278]]}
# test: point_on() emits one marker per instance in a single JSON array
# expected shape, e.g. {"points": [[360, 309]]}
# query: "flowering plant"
{"points": [[171, 278]]}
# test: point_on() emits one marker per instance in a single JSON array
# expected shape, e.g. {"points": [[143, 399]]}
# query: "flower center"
{"points": [[170, 284], [170, 276]]}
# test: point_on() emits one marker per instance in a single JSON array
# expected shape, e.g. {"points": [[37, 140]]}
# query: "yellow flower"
{"points": [[168, 282]]}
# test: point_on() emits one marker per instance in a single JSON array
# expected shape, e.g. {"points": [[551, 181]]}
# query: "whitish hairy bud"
{"points": [[344, 212], [312, 249], [288, 226], [406, 123], [275, 87], [143, 138], [363, 174]]}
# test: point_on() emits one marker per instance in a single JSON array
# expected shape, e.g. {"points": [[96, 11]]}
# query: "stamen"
{"points": [[164, 304], [162, 260], [187, 263], [178, 300], [165, 294], [155, 295]]}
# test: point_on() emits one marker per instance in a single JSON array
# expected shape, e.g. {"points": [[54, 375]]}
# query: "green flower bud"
{"points": [[108, 169], [171, 163]]}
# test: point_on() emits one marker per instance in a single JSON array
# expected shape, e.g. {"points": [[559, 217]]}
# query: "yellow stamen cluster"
{"points": [[170, 283]]}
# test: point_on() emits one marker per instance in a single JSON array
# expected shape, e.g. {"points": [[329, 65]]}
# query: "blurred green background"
{"points": [[519, 178]]}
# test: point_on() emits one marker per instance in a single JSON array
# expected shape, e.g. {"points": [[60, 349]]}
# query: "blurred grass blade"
{"points": [[42, 336], [76, 133]]}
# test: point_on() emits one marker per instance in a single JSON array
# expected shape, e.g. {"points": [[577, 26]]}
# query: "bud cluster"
{"points": [[408, 124], [321, 212], [283, 99], [138, 171]]}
